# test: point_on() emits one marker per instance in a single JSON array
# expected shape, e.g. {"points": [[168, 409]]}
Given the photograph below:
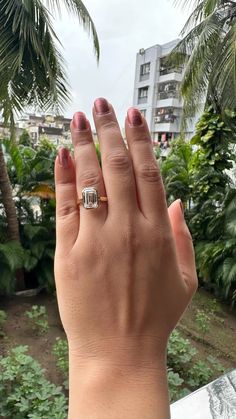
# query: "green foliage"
{"points": [[32, 177], [32, 69], [25, 139], [186, 372], [198, 174], [176, 171], [38, 319], [3, 319], [207, 49], [60, 351], [11, 259], [202, 321], [24, 390]]}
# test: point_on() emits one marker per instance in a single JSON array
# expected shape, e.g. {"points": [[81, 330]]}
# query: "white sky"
{"points": [[123, 26]]}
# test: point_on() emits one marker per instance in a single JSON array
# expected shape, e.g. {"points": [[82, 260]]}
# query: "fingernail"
{"points": [[134, 117], [80, 121], [64, 155], [101, 106], [181, 206]]}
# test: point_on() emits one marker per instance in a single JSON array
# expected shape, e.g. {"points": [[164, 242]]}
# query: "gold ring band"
{"points": [[101, 199]]}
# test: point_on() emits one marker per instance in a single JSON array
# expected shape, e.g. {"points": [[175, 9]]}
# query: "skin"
{"points": [[125, 272]]}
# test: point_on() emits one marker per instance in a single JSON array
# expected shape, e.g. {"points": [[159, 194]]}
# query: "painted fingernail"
{"points": [[101, 106], [134, 117], [64, 155], [80, 121], [181, 206]]}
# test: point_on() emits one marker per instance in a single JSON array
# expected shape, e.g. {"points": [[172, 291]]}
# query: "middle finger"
{"points": [[116, 164]]}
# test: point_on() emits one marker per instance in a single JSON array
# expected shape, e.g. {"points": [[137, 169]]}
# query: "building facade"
{"points": [[157, 93], [55, 128]]}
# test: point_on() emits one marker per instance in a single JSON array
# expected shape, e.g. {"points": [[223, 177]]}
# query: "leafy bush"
{"points": [[60, 351], [11, 259], [3, 318], [24, 390], [38, 319], [202, 321], [186, 372]]}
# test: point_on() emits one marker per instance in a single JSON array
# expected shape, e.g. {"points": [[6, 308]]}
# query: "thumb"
{"points": [[184, 245]]}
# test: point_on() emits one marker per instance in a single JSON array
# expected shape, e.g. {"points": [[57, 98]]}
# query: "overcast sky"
{"points": [[123, 26]]}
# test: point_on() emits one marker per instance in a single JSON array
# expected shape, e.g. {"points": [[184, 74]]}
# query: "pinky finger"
{"points": [[67, 212]]}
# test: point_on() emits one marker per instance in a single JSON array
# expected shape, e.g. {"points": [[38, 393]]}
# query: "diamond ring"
{"points": [[90, 198]]}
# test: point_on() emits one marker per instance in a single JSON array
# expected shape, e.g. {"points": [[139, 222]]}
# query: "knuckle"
{"points": [[66, 209], [89, 178], [118, 160], [109, 124], [82, 138], [141, 138], [149, 172]]}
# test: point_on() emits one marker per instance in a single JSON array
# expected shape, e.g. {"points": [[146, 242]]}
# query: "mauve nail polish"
{"points": [[63, 155], [80, 121], [101, 106], [134, 117]]}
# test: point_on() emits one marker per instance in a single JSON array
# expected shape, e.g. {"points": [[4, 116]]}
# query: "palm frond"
{"points": [[78, 8]]}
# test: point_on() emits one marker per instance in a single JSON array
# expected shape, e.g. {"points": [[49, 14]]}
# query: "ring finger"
{"points": [[88, 170]]}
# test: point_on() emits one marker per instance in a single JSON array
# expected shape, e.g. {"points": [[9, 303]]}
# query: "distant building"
{"points": [[55, 128], [156, 93]]}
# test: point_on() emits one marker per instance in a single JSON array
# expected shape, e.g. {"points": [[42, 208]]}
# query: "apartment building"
{"points": [[157, 93], [55, 128]]}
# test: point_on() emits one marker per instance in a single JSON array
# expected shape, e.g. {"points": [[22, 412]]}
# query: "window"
{"points": [[143, 94], [143, 112], [145, 71]]}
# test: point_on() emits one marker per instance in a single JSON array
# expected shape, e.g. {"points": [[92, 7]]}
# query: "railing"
{"points": [[168, 95], [142, 100], [162, 119], [144, 77], [170, 71]]}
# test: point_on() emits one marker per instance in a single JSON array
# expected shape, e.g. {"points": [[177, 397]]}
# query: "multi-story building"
{"points": [[55, 128], [157, 93]]}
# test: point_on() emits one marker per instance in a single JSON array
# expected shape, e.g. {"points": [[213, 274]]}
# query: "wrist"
{"points": [[119, 384]]}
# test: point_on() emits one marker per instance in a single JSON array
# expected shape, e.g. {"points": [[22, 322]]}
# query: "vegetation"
{"points": [[32, 73], [3, 318], [208, 50], [198, 172], [38, 319], [60, 352], [25, 392], [31, 175]]}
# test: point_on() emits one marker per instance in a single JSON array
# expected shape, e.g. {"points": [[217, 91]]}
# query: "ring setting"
{"points": [[90, 198]]}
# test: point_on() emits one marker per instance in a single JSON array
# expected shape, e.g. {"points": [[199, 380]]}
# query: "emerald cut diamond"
{"points": [[90, 198]]}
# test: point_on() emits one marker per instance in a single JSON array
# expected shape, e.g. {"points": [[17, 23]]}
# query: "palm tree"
{"points": [[32, 69], [208, 51]]}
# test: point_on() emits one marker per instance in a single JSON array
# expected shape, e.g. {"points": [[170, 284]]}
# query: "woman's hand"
{"points": [[125, 272]]}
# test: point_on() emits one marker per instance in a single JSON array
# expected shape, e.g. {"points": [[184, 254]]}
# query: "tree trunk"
{"points": [[10, 210]]}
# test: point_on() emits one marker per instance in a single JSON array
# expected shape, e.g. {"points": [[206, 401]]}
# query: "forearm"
{"points": [[115, 392]]}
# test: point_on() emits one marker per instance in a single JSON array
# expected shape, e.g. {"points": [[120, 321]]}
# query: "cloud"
{"points": [[123, 28]]}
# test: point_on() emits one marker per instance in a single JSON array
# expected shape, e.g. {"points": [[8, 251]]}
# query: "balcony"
{"points": [[168, 127], [170, 70], [171, 77], [168, 94]]}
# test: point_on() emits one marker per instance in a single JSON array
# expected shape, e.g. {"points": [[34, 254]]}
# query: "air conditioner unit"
{"points": [[142, 51]]}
